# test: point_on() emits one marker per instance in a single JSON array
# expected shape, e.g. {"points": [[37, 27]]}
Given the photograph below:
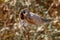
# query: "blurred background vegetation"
{"points": [[9, 21]]}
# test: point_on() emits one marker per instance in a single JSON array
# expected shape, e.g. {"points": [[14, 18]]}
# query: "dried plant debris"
{"points": [[29, 19]]}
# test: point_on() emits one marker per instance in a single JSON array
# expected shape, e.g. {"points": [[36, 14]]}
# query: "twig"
{"points": [[50, 7]]}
